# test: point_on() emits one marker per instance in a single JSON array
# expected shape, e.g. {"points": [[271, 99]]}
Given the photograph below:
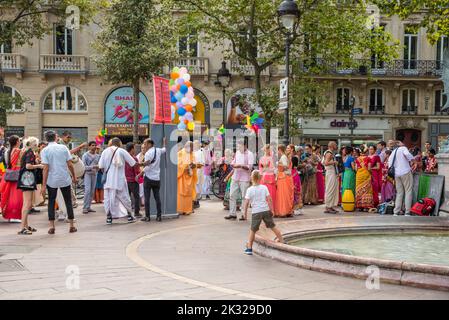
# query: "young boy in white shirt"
{"points": [[262, 210]]}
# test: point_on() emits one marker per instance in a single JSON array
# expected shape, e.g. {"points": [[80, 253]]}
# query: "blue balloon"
{"points": [[181, 111], [182, 126], [184, 89], [173, 99], [260, 120], [179, 96]]}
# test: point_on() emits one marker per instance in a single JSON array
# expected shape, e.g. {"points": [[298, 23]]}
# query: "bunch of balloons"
{"points": [[182, 98], [254, 123], [222, 132], [100, 139]]}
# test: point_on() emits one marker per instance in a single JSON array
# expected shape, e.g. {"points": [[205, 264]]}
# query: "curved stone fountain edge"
{"points": [[397, 272]]}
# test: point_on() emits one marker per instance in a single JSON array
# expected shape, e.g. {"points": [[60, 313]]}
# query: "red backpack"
{"points": [[424, 207]]}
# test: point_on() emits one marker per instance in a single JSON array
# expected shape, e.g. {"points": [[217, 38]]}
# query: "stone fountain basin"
{"points": [[396, 272]]}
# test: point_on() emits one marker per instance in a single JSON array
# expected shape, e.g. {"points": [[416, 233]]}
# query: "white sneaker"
{"points": [[15, 221]]}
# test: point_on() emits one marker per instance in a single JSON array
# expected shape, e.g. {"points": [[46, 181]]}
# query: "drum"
{"points": [[348, 201], [78, 166]]}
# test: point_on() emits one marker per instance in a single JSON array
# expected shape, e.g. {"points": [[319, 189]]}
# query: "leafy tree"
{"points": [[250, 32], [22, 21], [137, 41], [430, 14]]}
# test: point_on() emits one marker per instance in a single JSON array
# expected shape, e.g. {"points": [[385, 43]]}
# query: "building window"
{"points": [[63, 40], [376, 101], [65, 99], [6, 47], [188, 46], [13, 92], [442, 44], [409, 101], [410, 49], [440, 101], [343, 100]]}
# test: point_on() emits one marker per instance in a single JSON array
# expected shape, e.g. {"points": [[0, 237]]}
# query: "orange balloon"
{"points": [[188, 83], [174, 75], [186, 121], [178, 87], [188, 108]]}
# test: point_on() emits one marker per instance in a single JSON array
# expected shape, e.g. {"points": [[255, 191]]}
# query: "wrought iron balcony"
{"points": [[342, 108], [376, 109], [197, 66], [54, 63], [409, 110], [11, 62], [441, 113], [363, 67]]}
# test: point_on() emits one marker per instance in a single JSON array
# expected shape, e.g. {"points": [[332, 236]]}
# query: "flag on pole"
{"points": [[162, 105]]}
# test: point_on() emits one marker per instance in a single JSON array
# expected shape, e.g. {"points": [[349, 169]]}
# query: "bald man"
{"points": [[332, 190]]}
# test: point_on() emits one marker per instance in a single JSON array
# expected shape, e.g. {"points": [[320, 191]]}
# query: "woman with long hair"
{"points": [[12, 200], [363, 185], [387, 192], [320, 185], [39, 200], [376, 174], [267, 169], [27, 181], [284, 195], [349, 173], [309, 187]]}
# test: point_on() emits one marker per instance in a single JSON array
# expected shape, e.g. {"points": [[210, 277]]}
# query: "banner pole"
{"points": [[165, 155]]}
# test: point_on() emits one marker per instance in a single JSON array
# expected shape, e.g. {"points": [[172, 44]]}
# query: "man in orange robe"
{"points": [[187, 179]]}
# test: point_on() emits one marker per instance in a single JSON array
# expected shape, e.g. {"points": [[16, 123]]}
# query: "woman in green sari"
{"points": [[349, 173]]}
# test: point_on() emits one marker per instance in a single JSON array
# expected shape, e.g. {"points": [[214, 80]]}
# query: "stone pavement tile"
{"points": [[27, 294], [18, 286], [252, 284], [77, 294], [326, 295], [278, 292]]}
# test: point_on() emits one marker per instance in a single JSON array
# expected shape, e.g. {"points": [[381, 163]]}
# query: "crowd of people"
{"points": [[279, 183]]}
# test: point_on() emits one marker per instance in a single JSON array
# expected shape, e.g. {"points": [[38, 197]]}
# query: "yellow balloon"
{"points": [[191, 126], [248, 121]]}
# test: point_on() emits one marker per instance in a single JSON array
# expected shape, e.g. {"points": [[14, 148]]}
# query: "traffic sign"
{"points": [[357, 111], [283, 105]]}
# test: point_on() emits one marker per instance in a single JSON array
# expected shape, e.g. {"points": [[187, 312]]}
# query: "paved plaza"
{"points": [[193, 257]]}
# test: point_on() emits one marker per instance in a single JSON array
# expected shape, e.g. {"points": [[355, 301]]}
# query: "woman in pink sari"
{"points": [[12, 199], [376, 174], [297, 200], [319, 174], [267, 168]]}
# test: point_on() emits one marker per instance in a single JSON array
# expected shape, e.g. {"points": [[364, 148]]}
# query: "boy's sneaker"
{"points": [[249, 251], [109, 220], [131, 219]]}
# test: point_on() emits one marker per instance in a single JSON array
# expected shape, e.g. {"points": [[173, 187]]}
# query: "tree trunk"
{"points": [[136, 100]]}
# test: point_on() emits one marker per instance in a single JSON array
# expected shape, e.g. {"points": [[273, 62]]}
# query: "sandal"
{"points": [[330, 211], [32, 229], [73, 230], [24, 232], [51, 231]]}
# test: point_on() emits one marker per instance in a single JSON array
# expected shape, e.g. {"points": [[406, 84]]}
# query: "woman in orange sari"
{"points": [[266, 167], [12, 199], [187, 179], [284, 194], [363, 186]]}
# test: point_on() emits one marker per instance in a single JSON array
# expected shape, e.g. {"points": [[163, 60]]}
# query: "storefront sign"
{"points": [[14, 131], [119, 107], [125, 129], [344, 124], [162, 106], [79, 135]]}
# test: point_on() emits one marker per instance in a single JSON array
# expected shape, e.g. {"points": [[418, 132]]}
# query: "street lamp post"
{"points": [[288, 14], [351, 119], [223, 80]]}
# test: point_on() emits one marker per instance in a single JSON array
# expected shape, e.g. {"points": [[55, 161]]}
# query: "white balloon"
{"points": [[186, 77], [185, 101], [193, 102]]}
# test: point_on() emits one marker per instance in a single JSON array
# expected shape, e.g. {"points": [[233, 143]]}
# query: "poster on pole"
{"points": [[283, 94], [162, 105]]}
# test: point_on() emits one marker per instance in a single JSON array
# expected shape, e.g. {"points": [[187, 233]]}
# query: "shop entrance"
{"points": [[410, 137]]}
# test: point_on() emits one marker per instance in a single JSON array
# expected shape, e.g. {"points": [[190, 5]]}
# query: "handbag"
{"points": [[104, 178], [11, 175], [27, 180], [391, 171]]}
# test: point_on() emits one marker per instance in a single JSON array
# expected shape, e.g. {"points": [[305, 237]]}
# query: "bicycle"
{"points": [[218, 182]]}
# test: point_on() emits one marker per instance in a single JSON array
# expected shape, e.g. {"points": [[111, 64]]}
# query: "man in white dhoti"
{"points": [[117, 202], [199, 160], [332, 191], [208, 163]]}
